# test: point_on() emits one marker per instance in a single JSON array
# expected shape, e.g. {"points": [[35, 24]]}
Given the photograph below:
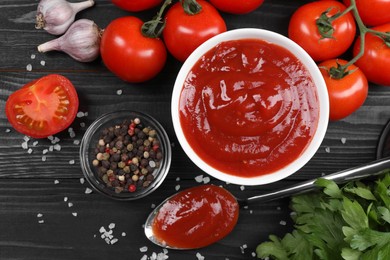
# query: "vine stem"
{"points": [[363, 31], [150, 28]]}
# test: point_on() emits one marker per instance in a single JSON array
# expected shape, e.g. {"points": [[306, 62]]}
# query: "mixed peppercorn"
{"points": [[127, 155]]}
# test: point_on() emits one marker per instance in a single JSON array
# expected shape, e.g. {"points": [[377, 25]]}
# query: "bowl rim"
{"points": [[97, 126], [307, 61]]}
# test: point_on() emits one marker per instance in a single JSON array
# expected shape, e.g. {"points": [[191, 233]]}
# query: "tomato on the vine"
{"points": [[43, 107], [372, 12], [237, 7], [347, 94], [339, 34], [184, 32], [129, 54], [375, 62], [136, 5]]}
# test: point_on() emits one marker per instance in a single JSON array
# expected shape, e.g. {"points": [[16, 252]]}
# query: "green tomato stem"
{"points": [[154, 27], [191, 7]]}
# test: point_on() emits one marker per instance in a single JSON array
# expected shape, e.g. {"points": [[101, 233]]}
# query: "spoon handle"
{"points": [[359, 172]]}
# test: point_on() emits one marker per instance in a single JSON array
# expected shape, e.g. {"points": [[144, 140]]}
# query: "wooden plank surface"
{"points": [[34, 191]]}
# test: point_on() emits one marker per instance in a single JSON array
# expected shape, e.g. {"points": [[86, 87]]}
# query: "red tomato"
{"points": [[136, 5], [372, 12], [129, 54], [43, 107], [303, 30], [375, 62], [347, 94], [183, 32], [237, 7]]}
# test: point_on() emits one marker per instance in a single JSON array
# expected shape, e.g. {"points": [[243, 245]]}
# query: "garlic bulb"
{"points": [[81, 41], [55, 16]]}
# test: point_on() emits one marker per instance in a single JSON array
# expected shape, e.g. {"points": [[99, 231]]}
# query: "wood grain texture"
{"points": [[28, 190]]}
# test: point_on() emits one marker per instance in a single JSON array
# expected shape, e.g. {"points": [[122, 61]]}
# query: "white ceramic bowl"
{"points": [[317, 78]]}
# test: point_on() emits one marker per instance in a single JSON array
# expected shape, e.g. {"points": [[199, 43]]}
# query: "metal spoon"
{"points": [[359, 172]]}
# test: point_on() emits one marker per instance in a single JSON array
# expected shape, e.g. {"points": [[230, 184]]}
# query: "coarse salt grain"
{"points": [[65, 199], [88, 191], [44, 158], [153, 205], [29, 67], [32, 56], [144, 257], [143, 249], [45, 151], [35, 143], [82, 180], [72, 162], [29, 150], [283, 223], [242, 187], [39, 215], [199, 256], [70, 204], [111, 226], [43, 63], [80, 114], [25, 145], [82, 124], [26, 138], [119, 92], [76, 142], [41, 221], [177, 187], [74, 214], [327, 149], [57, 147], [123, 234], [7, 130], [343, 140], [206, 180], [199, 178], [56, 181]]}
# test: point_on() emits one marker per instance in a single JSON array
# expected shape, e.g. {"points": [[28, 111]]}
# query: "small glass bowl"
{"points": [[88, 154]]}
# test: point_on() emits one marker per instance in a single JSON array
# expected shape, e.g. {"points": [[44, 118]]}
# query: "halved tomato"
{"points": [[43, 107]]}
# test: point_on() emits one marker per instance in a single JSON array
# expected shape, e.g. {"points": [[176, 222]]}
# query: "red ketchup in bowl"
{"points": [[196, 217], [248, 107]]}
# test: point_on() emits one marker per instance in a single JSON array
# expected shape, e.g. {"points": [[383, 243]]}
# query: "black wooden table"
{"points": [[46, 209]]}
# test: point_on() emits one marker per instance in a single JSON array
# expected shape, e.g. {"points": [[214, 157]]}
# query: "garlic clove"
{"points": [[55, 16], [81, 41]]}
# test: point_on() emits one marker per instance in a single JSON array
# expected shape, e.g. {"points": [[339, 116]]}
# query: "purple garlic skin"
{"points": [[81, 41], [56, 16]]}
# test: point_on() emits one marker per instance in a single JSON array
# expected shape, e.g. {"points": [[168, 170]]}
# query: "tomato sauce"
{"points": [[248, 107], [196, 217]]}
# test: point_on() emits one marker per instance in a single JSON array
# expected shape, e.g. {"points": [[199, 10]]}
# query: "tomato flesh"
{"points": [[43, 107]]}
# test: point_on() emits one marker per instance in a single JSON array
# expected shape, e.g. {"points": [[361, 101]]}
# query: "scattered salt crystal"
{"points": [[74, 214], [51, 148], [29, 150], [70, 204], [327, 149], [114, 240], [57, 147], [7, 130], [41, 221], [242, 187], [177, 178], [39, 215], [35, 143], [253, 254], [32, 56], [153, 205], [50, 137], [29, 67], [111, 226], [323, 174], [82, 180], [119, 92], [55, 140], [206, 180], [26, 138], [82, 124], [177, 187], [199, 256], [123, 234], [24, 145], [44, 158], [102, 229], [144, 257], [243, 247], [72, 162], [56, 181], [80, 114], [88, 191], [143, 249], [199, 178], [343, 140], [65, 199], [76, 142], [250, 211], [45, 151], [282, 222], [43, 63], [107, 240]]}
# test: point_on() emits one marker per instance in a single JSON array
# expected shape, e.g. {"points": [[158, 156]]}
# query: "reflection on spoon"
{"points": [[199, 216]]}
